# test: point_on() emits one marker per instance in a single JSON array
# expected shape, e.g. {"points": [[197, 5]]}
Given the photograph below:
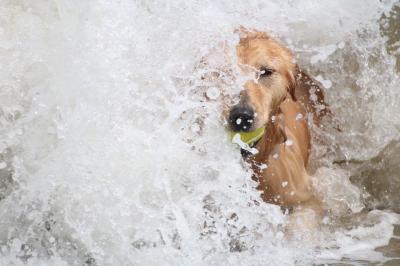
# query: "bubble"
{"points": [[213, 93], [299, 116], [289, 142]]}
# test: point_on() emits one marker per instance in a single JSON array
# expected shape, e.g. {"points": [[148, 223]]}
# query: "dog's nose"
{"points": [[241, 118]]}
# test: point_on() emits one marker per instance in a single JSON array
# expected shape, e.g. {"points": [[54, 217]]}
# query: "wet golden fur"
{"points": [[282, 101]]}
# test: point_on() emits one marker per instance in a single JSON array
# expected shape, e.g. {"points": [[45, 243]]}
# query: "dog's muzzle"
{"points": [[241, 118]]}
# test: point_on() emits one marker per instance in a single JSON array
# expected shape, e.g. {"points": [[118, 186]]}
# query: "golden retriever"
{"points": [[278, 100]]}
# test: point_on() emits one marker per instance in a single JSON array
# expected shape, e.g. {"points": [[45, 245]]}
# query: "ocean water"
{"points": [[109, 154]]}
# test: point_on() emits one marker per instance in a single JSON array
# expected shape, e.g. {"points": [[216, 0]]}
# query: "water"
{"points": [[109, 156]]}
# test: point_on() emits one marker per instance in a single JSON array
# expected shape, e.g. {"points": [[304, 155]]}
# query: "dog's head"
{"points": [[274, 68]]}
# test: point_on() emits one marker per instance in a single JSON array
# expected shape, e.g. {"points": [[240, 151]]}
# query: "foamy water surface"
{"points": [[110, 156]]}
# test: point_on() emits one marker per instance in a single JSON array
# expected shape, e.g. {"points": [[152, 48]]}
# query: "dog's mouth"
{"points": [[243, 126]]}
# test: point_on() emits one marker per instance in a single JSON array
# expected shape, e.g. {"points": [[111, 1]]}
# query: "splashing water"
{"points": [[108, 155]]}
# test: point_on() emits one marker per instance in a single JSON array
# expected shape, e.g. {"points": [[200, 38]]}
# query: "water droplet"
{"points": [[213, 93], [341, 45], [289, 142]]}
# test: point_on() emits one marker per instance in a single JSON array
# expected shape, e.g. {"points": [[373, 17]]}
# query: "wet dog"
{"points": [[270, 124]]}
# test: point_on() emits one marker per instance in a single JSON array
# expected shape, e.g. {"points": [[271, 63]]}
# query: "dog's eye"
{"points": [[266, 72]]}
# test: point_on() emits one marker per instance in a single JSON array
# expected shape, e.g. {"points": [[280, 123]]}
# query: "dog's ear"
{"points": [[280, 127], [292, 83], [282, 133], [311, 93]]}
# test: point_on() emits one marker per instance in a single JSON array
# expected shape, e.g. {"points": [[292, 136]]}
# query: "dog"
{"points": [[270, 123]]}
